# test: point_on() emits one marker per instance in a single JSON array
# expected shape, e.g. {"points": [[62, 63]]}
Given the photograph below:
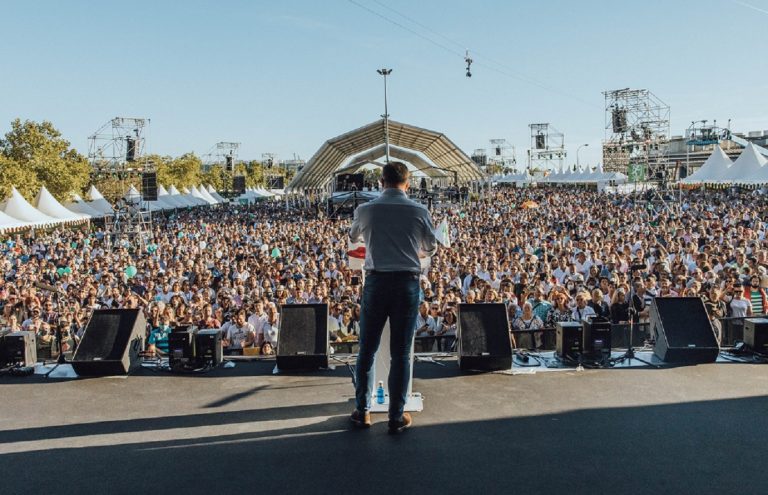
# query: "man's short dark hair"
{"points": [[394, 174]]}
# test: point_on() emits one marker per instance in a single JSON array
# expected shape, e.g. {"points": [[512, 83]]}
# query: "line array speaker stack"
{"points": [[483, 337], [238, 184], [303, 342], [149, 186], [111, 343], [682, 331]]}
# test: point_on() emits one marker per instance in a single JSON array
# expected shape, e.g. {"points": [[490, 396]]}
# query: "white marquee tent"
{"points": [[47, 204], [746, 168], [98, 202], [712, 170], [20, 209]]}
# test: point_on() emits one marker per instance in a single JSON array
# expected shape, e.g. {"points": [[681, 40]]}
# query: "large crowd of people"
{"points": [[550, 255]]}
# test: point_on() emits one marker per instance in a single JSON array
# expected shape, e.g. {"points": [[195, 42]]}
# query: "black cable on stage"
{"points": [[523, 358], [352, 369]]}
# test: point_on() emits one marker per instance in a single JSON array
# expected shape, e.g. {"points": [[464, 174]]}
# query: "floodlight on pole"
{"points": [[385, 73]]}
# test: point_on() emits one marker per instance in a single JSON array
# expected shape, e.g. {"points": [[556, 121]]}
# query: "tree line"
{"points": [[34, 154]]}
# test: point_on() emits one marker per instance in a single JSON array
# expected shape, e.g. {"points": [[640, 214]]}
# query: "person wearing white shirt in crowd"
{"points": [[266, 337], [582, 312], [259, 316], [468, 279], [558, 272], [494, 280], [238, 333], [582, 264], [333, 323], [332, 272], [483, 272], [425, 322], [741, 307]]}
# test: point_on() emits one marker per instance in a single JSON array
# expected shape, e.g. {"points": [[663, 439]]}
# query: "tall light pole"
{"points": [[385, 73], [577, 154]]}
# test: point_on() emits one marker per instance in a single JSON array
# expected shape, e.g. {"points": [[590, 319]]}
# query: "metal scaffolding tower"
{"points": [[503, 156], [636, 133], [547, 151], [116, 154], [223, 153]]}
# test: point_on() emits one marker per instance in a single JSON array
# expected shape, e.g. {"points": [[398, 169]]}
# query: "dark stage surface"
{"points": [[698, 430]]}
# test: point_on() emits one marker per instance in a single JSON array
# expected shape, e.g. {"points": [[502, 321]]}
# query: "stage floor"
{"points": [[694, 429]]}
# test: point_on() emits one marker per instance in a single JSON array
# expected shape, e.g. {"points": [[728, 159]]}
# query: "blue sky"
{"points": [[282, 77]]}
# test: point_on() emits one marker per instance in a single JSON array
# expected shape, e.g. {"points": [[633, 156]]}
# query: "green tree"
{"points": [[23, 178], [183, 171], [254, 174], [218, 177], [39, 148]]}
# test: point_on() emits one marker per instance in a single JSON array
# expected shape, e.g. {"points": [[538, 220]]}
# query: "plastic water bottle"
{"points": [[380, 392]]}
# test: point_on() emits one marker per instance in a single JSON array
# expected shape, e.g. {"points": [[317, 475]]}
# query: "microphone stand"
{"points": [[59, 340], [629, 354]]}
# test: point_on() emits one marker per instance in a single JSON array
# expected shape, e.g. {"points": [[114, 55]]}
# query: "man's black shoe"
{"points": [[398, 425]]}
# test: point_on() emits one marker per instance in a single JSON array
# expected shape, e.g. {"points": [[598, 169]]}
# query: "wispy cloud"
{"points": [[750, 6]]}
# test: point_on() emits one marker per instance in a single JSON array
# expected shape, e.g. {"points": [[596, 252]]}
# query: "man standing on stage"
{"points": [[397, 232]]}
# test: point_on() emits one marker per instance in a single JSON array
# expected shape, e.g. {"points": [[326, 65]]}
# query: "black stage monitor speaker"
{"points": [[596, 337], [303, 337], [483, 337], [181, 347], [18, 349], [149, 186], [208, 347], [111, 343], [568, 340], [682, 331], [238, 184], [756, 334]]}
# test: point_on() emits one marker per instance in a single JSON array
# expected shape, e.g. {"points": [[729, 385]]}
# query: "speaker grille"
{"points": [[685, 321], [107, 335], [149, 186], [484, 329], [303, 329]]}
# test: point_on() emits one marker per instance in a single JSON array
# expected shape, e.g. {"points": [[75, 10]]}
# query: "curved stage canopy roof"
{"points": [[436, 147]]}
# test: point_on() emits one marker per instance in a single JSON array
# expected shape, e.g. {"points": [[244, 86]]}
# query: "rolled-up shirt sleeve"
{"points": [[356, 233], [428, 239]]}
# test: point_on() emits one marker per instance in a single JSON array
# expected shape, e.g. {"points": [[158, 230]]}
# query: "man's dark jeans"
{"points": [[393, 295]]}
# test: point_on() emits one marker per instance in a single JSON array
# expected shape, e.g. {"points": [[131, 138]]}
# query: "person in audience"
{"points": [[238, 333], [157, 343], [525, 323], [266, 338], [446, 330]]}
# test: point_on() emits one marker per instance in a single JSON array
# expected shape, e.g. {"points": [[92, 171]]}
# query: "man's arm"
{"points": [[356, 232], [428, 239]]}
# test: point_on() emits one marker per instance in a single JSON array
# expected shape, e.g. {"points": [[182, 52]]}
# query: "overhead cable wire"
{"points": [[501, 68]]}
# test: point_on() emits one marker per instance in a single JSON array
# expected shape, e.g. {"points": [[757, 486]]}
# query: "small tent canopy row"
{"points": [[749, 168]]}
